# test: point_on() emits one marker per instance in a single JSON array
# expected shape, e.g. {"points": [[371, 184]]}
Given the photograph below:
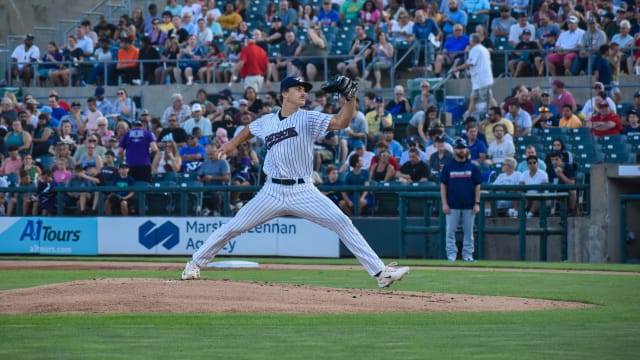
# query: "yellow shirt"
{"points": [[376, 123], [230, 21], [571, 123], [488, 129]]}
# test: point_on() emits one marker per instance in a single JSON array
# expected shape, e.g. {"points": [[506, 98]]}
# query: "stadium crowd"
{"points": [[105, 140]]}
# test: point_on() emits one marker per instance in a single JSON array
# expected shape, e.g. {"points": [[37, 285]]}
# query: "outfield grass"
{"points": [[608, 331]]}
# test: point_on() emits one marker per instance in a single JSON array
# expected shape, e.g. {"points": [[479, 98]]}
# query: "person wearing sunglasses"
{"points": [[533, 176]]}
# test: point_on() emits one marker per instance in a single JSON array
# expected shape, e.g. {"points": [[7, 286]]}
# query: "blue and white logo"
{"points": [[167, 234]]}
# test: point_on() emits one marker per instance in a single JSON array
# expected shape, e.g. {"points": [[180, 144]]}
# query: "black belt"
{"points": [[287, 181]]}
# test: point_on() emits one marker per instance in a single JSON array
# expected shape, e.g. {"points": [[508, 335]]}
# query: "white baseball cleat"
{"points": [[191, 271], [390, 274]]}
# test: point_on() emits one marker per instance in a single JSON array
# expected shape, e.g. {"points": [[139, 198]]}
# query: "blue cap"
{"points": [[459, 144], [46, 109], [358, 144], [294, 81]]}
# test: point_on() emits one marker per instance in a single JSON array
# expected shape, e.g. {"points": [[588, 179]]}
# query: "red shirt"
{"points": [[597, 118], [255, 60]]}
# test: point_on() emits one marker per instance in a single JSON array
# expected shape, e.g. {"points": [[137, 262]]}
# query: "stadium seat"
{"points": [[194, 198], [161, 203]]}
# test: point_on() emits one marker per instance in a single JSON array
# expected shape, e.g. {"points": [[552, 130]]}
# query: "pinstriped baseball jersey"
{"points": [[289, 142]]}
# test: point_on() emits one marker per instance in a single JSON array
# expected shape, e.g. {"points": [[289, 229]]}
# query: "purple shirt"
{"points": [[136, 144]]}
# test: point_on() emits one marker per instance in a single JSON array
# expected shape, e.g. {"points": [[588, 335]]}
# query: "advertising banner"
{"points": [[48, 236], [183, 236]]}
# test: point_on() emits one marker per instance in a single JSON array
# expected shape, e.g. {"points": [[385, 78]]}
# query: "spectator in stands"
{"points": [[127, 65], [288, 14], [120, 199], [382, 59], [188, 61], [214, 26], [103, 105], [547, 45], [213, 58], [253, 102], [313, 50], [103, 130], [174, 132], [399, 104], [561, 95], [72, 56], [439, 158], [193, 154], [178, 32], [277, 31], [332, 179], [477, 9], [137, 20], [173, 8], [451, 18], [360, 149], [566, 48], [521, 119], [307, 17], [508, 176], [413, 142], [153, 16], [102, 68], [327, 16], [61, 151], [530, 150], [135, 149], [546, 26], [395, 148], [544, 119], [187, 23], [253, 65], [562, 173], [360, 53], [125, 29], [370, 15], [214, 171], [356, 176], [106, 29], [90, 157], [286, 64], [421, 121], [50, 63], [568, 119], [350, 10], [522, 61], [477, 147], [501, 147], [22, 58], [590, 107], [44, 199], [169, 58], [17, 137], [197, 119], [203, 34], [516, 30], [544, 11], [453, 49], [423, 29], [590, 43], [382, 171], [413, 171], [177, 108], [500, 26], [12, 163], [66, 137], [633, 118], [533, 176], [605, 122], [377, 119], [61, 173], [558, 145], [424, 100], [148, 54], [166, 159], [401, 29], [243, 162], [394, 10], [124, 106], [43, 136], [437, 129], [353, 135]]}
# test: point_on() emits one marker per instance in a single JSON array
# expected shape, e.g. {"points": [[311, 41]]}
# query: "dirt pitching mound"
{"points": [[140, 295]]}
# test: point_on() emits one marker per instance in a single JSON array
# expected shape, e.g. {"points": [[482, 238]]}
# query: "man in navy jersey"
{"points": [[289, 137], [460, 193]]}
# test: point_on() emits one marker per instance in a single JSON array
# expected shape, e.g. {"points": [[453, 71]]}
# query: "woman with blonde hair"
{"points": [[167, 159]]}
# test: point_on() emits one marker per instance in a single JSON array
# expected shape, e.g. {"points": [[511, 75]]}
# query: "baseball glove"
{"points": [[343, 85]]}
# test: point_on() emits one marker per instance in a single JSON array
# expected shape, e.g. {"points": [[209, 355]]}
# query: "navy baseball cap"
{"points": [[459, 144], [292, 81]]}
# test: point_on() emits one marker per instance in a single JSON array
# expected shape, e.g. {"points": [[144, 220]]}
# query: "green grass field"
{"points": [[608, 331]]}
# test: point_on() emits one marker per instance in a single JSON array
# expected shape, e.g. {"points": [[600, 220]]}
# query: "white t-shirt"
{"points": [[24, 56], [515, 31], [503, 179], [396, 29], [540, 177], [498, 151], [570, 40], [480, 70]]}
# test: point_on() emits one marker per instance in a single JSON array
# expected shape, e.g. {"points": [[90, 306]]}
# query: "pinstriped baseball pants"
{"points": [[300, 200]]}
